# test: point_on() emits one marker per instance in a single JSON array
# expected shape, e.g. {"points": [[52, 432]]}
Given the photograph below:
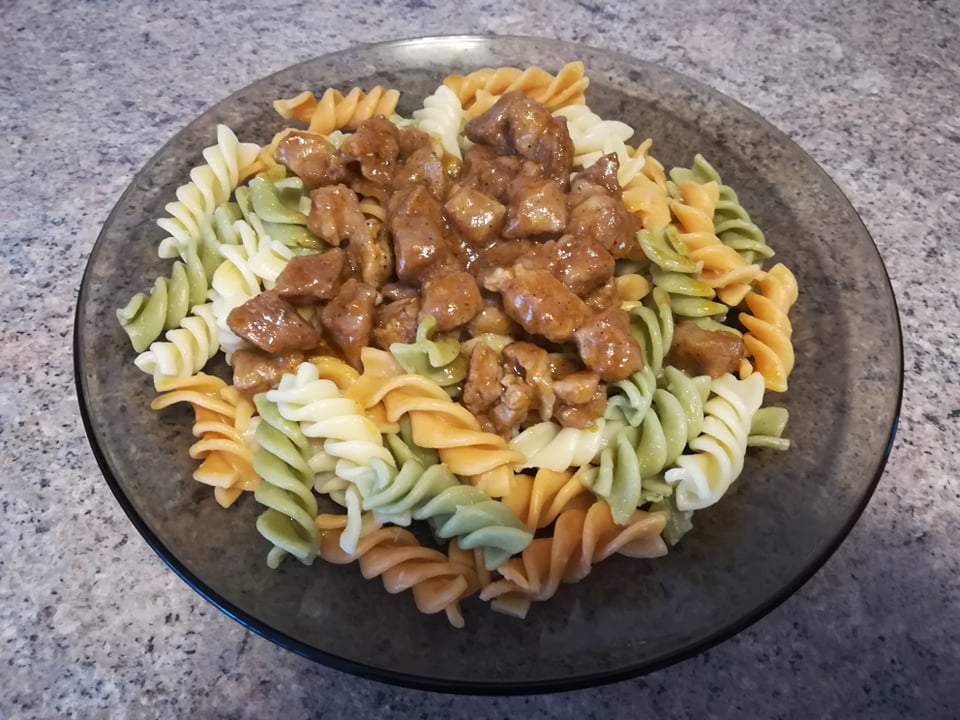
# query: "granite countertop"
{"points": [[93, 624]]}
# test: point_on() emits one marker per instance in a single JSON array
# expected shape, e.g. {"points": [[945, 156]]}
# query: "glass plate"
{"points": [[783, 518]]}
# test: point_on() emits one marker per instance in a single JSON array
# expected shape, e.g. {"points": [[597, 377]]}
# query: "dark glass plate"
{"points": [[775, 528]]}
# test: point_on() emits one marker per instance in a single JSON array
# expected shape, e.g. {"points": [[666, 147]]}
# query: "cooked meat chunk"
{"points": [[533, 364], [537, 207], [577, 388], [423, 167], [607, 347], [348, 319], [311, 277], [501, 255], [605, 296], [311, 158], [399, 291], [255, 371], [606, 219], [487, 172], [376, 146], [492, 319], [482, 388], [477, 216], [705, 352], [453, 299], [272, 324], [601, 177], [519, 125], [370, 253], [396, 323], [539, 302], [583, 265], [334, 213], [410, 140], [419, 241], [514, 404], [583, 415]]}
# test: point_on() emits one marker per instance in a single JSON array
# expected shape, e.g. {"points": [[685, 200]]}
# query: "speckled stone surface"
{"points": [[92, 624]]}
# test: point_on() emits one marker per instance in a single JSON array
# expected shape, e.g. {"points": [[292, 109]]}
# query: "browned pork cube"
{"points": [[396, 323], [311, 158], [453, 299], [311, 277], [334, 213], [537, 207], [539, 302], [348, 319], [272, 324], [705, 352], [607, 347], [476, 215]]}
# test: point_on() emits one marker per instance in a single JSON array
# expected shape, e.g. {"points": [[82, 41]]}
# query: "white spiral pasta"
{"points": [[210, 185], [593, 137], [248, 267], [442, 117], [548, 445], [186, 349], [348, 435], [702, 478]]}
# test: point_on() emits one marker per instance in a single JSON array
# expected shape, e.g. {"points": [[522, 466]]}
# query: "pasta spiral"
{"points": [[442, 118], [723, 268], [479, 91], [439, 359], [222, 417], [674, 271], [580, 539], [436, 421], [769, 330], [334, 111], [651, 323], [148, 315], [289, 522], [548, 445], [540, 499], [732, 223], [594, 137], [646, 193], [210, 186], [186, 349], [701, 478], [637, 451], [438, 581]]}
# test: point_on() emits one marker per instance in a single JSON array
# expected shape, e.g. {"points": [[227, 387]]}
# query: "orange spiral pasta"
{"points": [[439, 581], [437, 421], [539, 500], [479, 91], [334, 111], [769, 337], [222, 416], [646, 194], [723, 267], [580, 539]]}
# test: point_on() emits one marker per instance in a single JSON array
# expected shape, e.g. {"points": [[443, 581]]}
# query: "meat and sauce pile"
{"points": [[507, 242]]}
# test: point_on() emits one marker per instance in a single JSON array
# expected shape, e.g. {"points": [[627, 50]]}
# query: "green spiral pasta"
{"points": [[477, 521], [704, 475], [673, 272], [185, 350], [629, 400], [766, 429], [732, 223], [289, 522], [282, 204], [435, 358], [635, 453], [148, 315], [651, 323]]}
